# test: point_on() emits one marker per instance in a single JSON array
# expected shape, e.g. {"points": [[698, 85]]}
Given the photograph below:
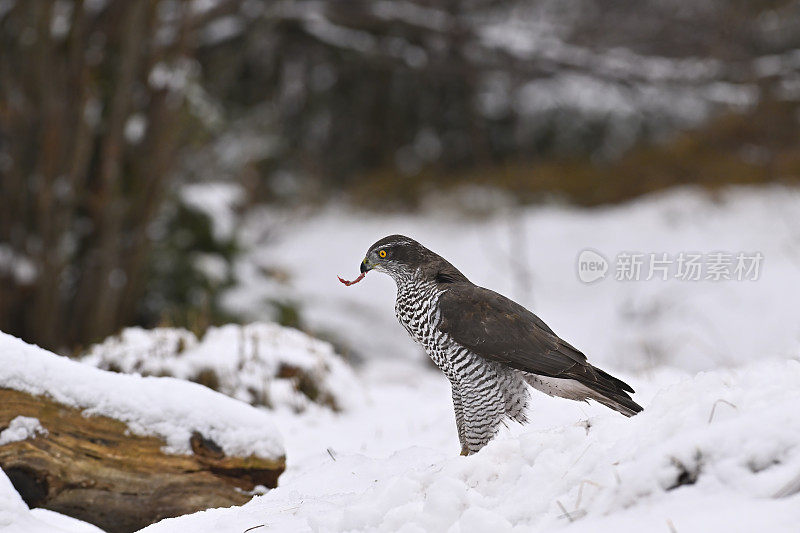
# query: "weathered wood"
{"points": [[93, 468]]}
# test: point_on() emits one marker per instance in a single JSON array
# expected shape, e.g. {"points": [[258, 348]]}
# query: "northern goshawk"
{"points": [[488, 346]]}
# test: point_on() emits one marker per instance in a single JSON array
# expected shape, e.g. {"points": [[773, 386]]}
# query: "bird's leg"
{"points": [[483, 406], [459, 410]]}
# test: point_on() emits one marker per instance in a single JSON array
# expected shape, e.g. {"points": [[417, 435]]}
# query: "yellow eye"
{"points": [[382, 253]]}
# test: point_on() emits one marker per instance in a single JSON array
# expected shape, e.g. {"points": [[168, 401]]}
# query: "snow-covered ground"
{"points": [[717, 450]]}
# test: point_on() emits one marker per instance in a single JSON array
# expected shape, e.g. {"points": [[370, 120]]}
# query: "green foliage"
{"points": [[179, 292], [286, 313]]}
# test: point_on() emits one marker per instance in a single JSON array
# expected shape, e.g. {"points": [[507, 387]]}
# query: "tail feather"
{"points": [[589, 384], [612, 392], [616, 381], [621, 403]]}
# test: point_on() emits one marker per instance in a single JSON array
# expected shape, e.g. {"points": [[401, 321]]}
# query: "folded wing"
{"points": [[498, 329]]}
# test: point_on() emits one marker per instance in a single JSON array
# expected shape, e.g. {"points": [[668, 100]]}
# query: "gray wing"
{"points": [[498, 329]]}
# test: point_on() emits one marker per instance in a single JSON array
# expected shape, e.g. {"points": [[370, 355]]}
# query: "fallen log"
{"points": [[121, 451], [93, 468]]}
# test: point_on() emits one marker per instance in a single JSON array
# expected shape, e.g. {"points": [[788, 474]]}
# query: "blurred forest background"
{"points": [[111, 110]]}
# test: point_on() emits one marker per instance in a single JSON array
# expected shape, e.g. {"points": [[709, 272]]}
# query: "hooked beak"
{"points": [[365, 266]]}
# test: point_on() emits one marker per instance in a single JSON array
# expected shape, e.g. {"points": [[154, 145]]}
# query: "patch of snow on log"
{"points": [[164, 407], [21, 428]]}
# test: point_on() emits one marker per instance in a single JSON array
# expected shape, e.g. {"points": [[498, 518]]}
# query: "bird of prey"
{"points": [[488, 346]]}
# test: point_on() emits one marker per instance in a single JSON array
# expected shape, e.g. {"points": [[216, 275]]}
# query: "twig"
{"points": [[254, 527], [578, 459], [580, 491], [714, 408], [616, 474], [792, 487], [564, 510], [330, 452]]}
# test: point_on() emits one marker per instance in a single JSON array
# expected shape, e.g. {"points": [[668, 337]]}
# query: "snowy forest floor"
{"points": [[710, 453], [393, 464], [714, 363]]}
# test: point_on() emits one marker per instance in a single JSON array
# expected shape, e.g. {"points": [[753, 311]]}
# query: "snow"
{"points": [[260, 363], [217, 200], [16, 266], [715, 364], [21, 428], [530, 254], [135, 128], [605, 470], [164, 407], [15, 517], [222, 29], [212, 266], [413, 14]]}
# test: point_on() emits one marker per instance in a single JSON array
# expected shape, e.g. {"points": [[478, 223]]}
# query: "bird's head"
{"points": [[403, 257]]}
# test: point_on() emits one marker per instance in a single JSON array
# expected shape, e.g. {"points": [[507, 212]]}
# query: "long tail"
{"points": [[611, 392], [588, 383]]}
